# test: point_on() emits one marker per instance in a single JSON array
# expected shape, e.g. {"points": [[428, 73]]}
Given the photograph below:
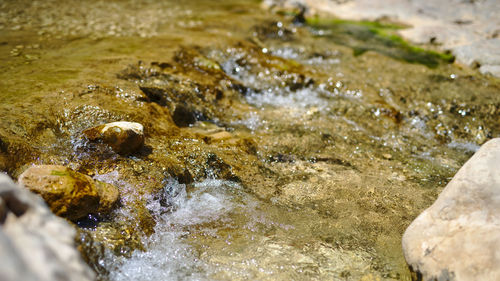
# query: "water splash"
{"points": [[169, 255], [217, 231], [252, 121], [303, 98]]}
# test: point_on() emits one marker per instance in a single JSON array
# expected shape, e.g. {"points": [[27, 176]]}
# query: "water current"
{"points": [[275, 149]]}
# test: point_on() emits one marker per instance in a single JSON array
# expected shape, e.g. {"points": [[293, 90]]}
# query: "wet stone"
{"points": [[155, 95], [68, 193], [220, 136], [109, 196], [123, 137], [183, 116]]}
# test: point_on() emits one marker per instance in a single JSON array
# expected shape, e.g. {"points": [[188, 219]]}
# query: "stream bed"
{"points": [[276, 148]]}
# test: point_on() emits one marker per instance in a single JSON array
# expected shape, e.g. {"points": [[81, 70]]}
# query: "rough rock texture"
{"points": [[34, 243], [68, 193], [458, 237], [124, 137], [470, 29]]}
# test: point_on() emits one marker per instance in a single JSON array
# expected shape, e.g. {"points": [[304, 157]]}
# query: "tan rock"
{"points": [[68, 193], [123, 137], [224, 135], [108, 196], [216, 137], [458, 237], [211, 132]]}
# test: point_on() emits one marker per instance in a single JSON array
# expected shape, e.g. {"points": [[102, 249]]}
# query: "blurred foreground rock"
{"points": [[458, 237], [68, 193], [124, 137], [34, 243]]}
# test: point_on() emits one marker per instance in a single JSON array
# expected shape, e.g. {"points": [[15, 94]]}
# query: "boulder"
{"points": [[34, 243], [68, 193], [123, 137], [458, 237]]}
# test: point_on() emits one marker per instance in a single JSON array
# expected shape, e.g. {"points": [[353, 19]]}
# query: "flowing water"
{"points": [[275, 149]]}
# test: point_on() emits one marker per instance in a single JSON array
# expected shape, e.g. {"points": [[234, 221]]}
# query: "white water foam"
{"points": [[252, 121], [168, 256], [303, 98], [467, 146], [262, 250]]}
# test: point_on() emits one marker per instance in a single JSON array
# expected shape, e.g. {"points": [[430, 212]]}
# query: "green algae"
{"points": [[59, 173], [363, 36], [379, 25]]}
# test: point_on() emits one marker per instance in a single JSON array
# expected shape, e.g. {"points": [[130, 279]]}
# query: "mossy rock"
{"points": [[363, 36], [68, 193]]}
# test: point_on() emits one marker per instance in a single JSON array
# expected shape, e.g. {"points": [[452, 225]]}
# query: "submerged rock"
{"points": [[458, 237], [34, 243], [123, 137], [183, 116], [108, 196], [68, 193]]}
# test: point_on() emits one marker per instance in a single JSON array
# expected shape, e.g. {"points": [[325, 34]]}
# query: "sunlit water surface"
{"points": [[345, 150]]}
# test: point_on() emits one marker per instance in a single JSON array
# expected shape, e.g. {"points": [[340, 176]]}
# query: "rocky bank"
{"points": [[469, 29]]}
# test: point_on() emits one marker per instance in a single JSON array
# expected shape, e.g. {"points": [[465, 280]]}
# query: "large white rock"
{"points": [[34, 243], [458, 237]]}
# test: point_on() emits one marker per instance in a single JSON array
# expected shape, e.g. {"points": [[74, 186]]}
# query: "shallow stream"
{"points": [[276, 149]]}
